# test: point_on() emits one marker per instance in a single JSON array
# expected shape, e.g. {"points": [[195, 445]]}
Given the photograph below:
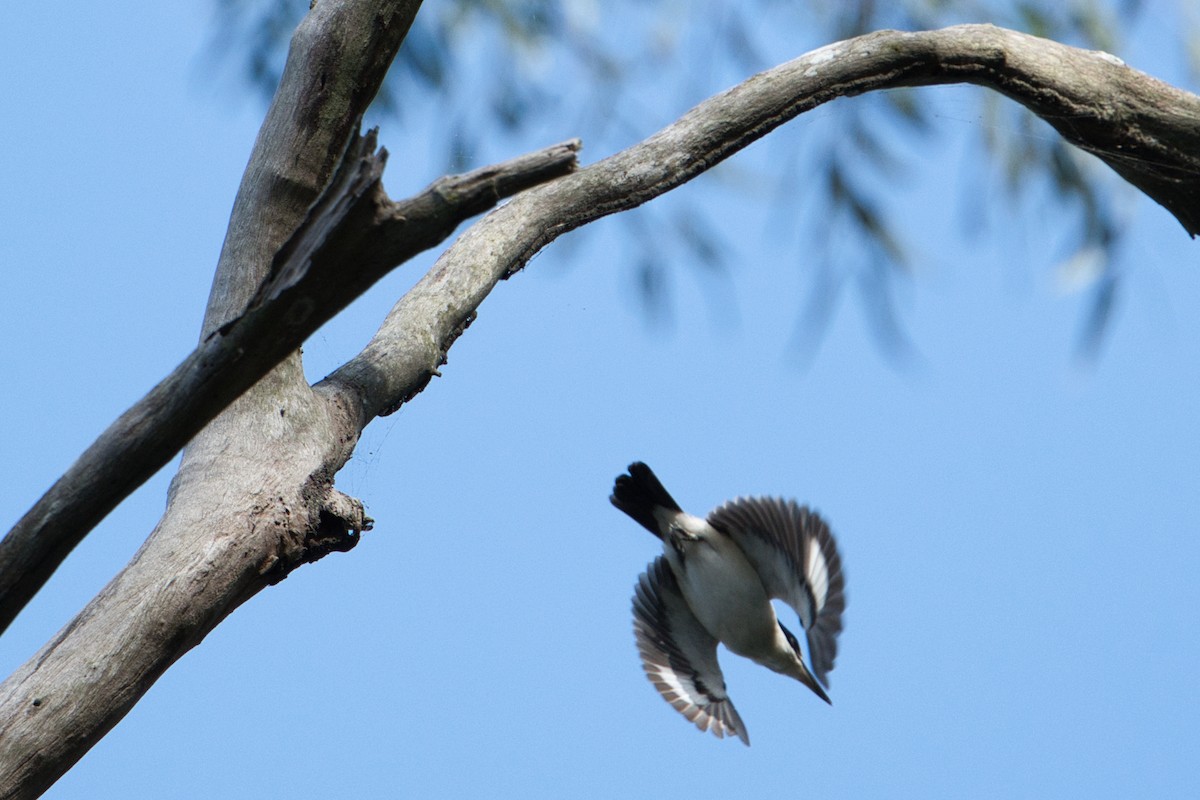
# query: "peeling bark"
{"points": [[254, 496], [352, 236]]}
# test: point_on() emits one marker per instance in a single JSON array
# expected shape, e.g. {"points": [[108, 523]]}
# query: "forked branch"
{"points": [[240, 515], [354, 235]]}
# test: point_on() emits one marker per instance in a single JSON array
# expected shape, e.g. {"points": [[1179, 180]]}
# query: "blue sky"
{"points": [[1019, 531]]}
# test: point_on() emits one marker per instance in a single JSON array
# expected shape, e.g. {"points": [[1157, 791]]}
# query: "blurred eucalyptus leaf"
{"points": [[515, 66]]}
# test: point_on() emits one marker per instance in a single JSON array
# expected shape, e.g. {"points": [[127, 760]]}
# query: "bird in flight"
{"points": [[714, 583]]}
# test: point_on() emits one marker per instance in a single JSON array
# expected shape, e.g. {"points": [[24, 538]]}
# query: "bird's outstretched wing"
{"points": [[795, 555], [679, 655]]}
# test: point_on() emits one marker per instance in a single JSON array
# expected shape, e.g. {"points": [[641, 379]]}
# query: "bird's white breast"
{"points": [[725, 593]]}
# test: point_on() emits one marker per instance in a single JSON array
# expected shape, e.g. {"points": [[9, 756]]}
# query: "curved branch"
{"points": [[1143, 128], [253, 497]]}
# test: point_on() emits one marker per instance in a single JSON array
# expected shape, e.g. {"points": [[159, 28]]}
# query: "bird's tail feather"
{"points": [[638, 493]]}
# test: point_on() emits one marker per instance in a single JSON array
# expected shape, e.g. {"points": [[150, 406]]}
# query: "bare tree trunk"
{"points": [[254, 495]]}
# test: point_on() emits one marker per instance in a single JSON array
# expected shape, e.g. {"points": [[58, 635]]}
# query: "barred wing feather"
{"points": [[679, 655], [795, 554]]}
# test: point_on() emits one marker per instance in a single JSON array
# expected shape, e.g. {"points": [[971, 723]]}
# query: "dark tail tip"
{"points": [[638, 493]]}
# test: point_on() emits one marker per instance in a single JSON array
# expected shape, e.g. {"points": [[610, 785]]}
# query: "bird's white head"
{"points": [[790, 662]]}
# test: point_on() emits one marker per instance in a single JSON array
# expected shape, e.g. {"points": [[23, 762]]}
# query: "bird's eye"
{"points": [[791, 638]]}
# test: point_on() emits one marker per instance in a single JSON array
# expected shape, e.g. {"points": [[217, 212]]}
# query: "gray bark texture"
{"points": [[254, 495]]}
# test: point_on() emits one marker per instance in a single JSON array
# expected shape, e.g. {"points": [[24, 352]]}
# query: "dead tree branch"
{"points": [[1145, 129], [353, 236], [254, 495]]}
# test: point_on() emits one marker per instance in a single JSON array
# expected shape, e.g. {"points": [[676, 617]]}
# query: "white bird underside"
{"points": [[714, 583]]}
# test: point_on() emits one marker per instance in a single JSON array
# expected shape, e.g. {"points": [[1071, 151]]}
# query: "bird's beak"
{"points": [[808, 680]]}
